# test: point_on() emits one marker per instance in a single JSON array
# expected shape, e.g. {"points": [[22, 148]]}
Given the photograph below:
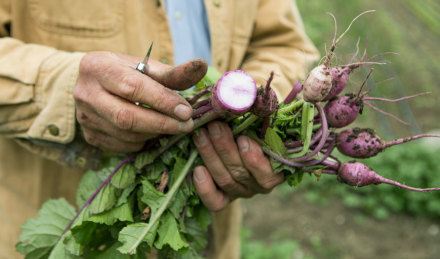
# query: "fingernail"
{"points": [[243, 144], [199, 174], [200, 138], [215, 130], [186, 126], [183, 112]]}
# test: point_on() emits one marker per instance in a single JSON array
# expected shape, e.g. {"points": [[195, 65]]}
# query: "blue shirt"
{"points": [[189, 29]]}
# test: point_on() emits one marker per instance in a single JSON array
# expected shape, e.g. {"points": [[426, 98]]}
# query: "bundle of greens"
{"points": [[147, 199]]}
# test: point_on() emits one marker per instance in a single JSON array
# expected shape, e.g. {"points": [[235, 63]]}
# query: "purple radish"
{"points": [[266, 101], [234, 93], [357, 174], [364, 143], [343, 110]]}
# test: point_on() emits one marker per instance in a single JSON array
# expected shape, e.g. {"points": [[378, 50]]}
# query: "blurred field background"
{"points": [[325, 219]]}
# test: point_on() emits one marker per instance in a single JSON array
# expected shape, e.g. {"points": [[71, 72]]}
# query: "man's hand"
{"points": [[108, 87], [239, 170]]}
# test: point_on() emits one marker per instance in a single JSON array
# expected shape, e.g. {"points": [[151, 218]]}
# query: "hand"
{"points": [[239, 170], [108, 87]]}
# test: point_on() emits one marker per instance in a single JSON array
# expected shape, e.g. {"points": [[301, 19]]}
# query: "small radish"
{"points": [[364, 143], [357, 174], [266, 102], [343, 110], [234, 93]]}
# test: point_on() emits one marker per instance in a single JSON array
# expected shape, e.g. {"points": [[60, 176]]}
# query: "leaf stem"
{"points": [[169, 196], [245, 124], [307, 129]]}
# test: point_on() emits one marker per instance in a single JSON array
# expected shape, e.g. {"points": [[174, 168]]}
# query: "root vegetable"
{"points": [[358, 174], [364, 143]]}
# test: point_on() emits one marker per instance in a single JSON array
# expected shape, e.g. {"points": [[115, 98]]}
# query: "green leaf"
{"points": [[130, 234], [110, 217], [275, 142], [61, 251], [112, 253], [87, 186], [211, 77], [151, 196], [154, 171], [124, 177], [203, 216], [145, 158], [169, 233], [105, 200], [44, 230]]}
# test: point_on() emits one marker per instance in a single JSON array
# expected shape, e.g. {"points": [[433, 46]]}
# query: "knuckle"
{"points": [[239, 173], [269, 183], [124, 119], [81, 117], [161, 100], [226, 183], [91, 138], [163, 125], [132, 87], [89, 63]]}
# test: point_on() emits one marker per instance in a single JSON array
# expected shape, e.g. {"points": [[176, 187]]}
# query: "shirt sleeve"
{"points": [[279, 44], [36, 102]]}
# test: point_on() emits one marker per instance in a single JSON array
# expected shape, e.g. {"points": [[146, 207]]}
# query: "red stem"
{"points": [[104, 183]]}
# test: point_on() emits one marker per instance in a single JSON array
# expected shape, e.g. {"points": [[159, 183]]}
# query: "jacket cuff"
{"points": [[57, 77]]}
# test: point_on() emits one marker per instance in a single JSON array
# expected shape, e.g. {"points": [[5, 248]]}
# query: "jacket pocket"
{"points": [[84, 18]]}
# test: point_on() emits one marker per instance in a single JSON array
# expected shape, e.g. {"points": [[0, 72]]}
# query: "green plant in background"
{"points": [[279, 248]]}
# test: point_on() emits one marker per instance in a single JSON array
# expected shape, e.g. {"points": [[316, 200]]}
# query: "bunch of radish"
{"points": [[298, 135]]}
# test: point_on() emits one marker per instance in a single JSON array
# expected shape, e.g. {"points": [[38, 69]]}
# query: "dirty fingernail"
{"points": [[216, 130], [200, 138], [199, 174], [243, 144], [186, 126], [183, 112]]}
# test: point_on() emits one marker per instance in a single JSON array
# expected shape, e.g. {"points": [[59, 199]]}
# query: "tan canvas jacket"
{"points": [[41, 45]]}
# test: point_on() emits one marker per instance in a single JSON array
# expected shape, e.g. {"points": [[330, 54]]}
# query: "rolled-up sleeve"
{"points": [[36, 85]]}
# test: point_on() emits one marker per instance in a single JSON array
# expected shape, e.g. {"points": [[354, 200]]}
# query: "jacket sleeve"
{"points": [[36, 102], [278, 43]]}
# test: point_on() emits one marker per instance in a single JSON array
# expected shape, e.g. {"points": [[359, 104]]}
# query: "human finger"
{"points": [[216, 168], [106, 142], [226, 148], [128, 116], [259, 166], [87, 117], [213, 198]]}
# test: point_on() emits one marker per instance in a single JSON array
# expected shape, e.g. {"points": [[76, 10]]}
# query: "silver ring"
{"points": [[141, 67]]}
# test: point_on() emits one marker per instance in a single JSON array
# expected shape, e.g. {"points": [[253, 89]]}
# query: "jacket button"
{"points": [[81, 161], [53, 130], [164, 60], [217, 3]]}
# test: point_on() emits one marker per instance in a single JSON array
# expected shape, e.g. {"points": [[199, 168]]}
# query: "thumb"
{"points": [[181, 77]]}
